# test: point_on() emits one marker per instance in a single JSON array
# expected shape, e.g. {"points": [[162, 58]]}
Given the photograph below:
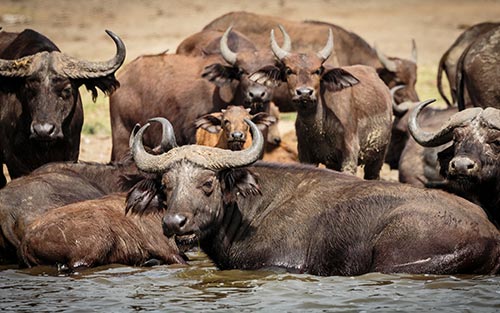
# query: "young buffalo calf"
{"points": [[96, 232], [227, 129]]}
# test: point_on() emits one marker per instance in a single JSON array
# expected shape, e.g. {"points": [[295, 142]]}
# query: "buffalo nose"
{"points": [[277, 141], [173, 224], [463, 166], [259, 95], [304, 91], [237, 135], [43, 131]]}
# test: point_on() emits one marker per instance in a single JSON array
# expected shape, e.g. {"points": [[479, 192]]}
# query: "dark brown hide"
{"points": [[315, 221], [41, 113], [478, 72], [96, 232], [449, 61]]}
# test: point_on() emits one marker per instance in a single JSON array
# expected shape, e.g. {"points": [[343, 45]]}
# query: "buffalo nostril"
{"points": [[237, 135], [304, 91], [173, 223], [263, 94], [250, 94], [44, 130], [277, 141]]}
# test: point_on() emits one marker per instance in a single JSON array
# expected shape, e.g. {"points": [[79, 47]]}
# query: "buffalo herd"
{"points": [[190, 130]]}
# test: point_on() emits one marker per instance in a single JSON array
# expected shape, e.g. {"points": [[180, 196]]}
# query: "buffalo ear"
{"points": [[238, 181], [220, 74], [107, 84], [145, 198], [264, 119], [270, 76], [337, 79], [212, 123]]}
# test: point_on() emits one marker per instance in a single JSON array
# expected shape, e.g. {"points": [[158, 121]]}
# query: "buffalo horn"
{"points": [[279, 52], [78, 69], [492, 117], [388, 64], [21, 67], [403, 107], [168, 140], [204, 156], [445, 133], [327, 50], [226, 53]]}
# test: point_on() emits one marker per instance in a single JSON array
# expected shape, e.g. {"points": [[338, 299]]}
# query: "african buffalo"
{"points": [[184, 89], [471, 165], [227, 129], [53, 185], [41, 112], [307, 219], [350, 49], [418, 165], [478, 72], [344, 115], [449, 61], [96, 232]]}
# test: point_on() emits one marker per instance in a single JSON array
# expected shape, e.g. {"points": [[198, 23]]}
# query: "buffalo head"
{"points": [[46, 83], [305, 74], [473, 159], [193, 182], [238, 68], [400, 72], [231, 125]]}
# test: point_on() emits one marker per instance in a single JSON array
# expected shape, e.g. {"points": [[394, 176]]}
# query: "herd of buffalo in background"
{"points": [[225, 87]]}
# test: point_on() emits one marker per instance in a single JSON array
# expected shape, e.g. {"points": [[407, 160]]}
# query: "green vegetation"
{"points": [[96, 114]]}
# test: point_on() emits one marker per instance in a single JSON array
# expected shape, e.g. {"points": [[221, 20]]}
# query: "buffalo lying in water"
{"points": [[306, 219]]}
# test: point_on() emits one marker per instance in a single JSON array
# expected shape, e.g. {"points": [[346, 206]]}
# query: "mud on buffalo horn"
{"points": [[207, 157], [66, 65], [445, 133]]}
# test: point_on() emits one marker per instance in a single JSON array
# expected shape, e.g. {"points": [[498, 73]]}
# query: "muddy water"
{"points": [[200, 287]]}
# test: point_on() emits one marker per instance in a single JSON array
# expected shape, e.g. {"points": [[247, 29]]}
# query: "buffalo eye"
{"points": [[288, 71], [208, 186], [66, 92]]}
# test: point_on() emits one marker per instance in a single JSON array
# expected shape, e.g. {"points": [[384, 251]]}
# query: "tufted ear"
{"points": [[444, 159], [212, 123], [263, 119], [337, 79], [145, 197], [220, 74], [270, 76], [238, 181]]}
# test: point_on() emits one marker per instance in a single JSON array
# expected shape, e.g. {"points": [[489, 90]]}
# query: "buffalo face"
{"points": [[194, 183], [50, 99], [237, 68]]}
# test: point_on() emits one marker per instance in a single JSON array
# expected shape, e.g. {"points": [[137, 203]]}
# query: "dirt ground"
{"points": [[154, 26]]}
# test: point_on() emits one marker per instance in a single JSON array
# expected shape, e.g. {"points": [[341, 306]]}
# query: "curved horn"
{"points": [[413, 51], [204, 156], [21, 67], [226, 53], [168, 140], [492, 117], [401, 108], [328, 48], [388, 64], [132, 134], [444, 134], [287, 42], [74, 68], [277, 50]]}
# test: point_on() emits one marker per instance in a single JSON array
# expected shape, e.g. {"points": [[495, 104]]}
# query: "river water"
{"points": [[200, 287]]}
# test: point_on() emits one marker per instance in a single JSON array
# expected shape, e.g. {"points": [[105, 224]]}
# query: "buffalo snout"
{"points": [[45, 131], [462, 165], [257, 93], [175, 224]]}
